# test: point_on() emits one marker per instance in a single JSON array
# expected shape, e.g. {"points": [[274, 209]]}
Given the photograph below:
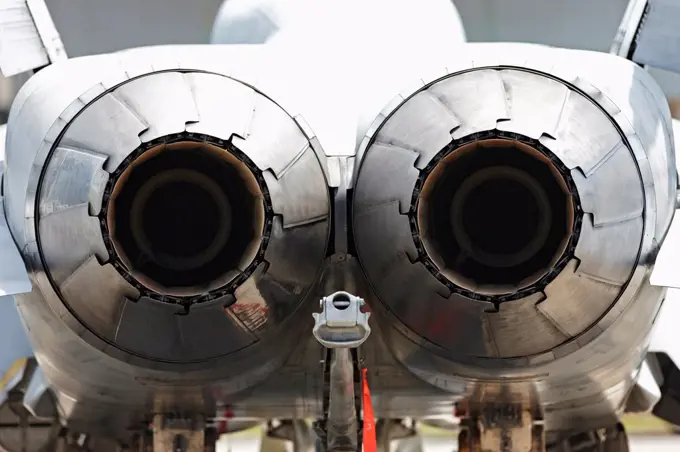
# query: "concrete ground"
{"points": [[240, 443], [638, 444], [655, 444]]}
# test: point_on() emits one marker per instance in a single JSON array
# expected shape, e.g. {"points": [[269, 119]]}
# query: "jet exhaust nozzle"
{"points": [[499, 212], [183, 216], [496, 215], [163, 214]]}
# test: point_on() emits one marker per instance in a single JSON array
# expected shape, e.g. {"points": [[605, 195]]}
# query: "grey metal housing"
{"points": [[573, 355], [576, 345], [103, 346]]}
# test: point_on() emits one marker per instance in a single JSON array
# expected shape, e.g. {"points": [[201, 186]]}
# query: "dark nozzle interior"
{"points": [[495, 216], [184, 215]]}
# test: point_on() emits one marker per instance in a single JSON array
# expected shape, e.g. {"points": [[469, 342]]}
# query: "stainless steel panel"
{"points": [[170, 110], [119, 354], [576, 344], [462, 96], [118, 130], [217, 117], [537, 334], [269, 123], [607, 121], [527, 93], [584, 136], [386, 187], [423, 126], [609, 253], [70, 237], [298, 203], [569, 297]]}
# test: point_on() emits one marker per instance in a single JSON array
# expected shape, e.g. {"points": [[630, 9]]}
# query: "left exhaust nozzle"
{"points": [[178, 214], [182, 216]]}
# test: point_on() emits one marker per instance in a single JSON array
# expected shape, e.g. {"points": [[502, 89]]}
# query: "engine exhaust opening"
{"points": [[185, 217], [495, 216]]}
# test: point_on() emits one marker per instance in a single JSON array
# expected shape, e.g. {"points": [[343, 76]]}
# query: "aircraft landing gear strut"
{"points": [[341, 328], [179, 434], [612, 439], [507, 427]]}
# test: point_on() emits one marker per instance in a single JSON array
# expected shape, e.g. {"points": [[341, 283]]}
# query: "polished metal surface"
{"points": [[580, 339], [109, 338], [343, 425], [587, 135]]}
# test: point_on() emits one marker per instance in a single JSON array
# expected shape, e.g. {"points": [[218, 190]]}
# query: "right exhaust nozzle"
{"points": [[496, 215], [502, 193]]}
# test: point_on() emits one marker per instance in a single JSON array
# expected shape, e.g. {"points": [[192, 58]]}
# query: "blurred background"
{"points": [[99, 26]]}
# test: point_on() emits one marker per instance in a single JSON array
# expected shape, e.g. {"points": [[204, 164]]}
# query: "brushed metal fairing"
{"points": [[105, 348], [572, 349], [599, 311]]}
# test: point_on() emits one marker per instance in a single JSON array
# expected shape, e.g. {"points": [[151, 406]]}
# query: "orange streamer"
{"points": [[369, 441]]}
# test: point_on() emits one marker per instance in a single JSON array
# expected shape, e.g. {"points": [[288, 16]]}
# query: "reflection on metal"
{"points": [[574, 147], [128, 351], [567, 337], [499, 319], [342, 427]]}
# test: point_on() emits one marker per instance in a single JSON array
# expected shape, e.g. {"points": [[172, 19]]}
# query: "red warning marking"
{"points": [[223, 425], [369, 441]]}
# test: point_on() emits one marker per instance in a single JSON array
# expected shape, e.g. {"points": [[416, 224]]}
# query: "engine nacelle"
{"points": [[506, 211], [157, 198]]}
